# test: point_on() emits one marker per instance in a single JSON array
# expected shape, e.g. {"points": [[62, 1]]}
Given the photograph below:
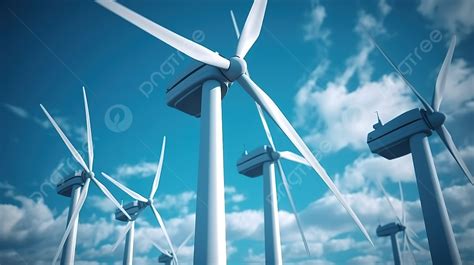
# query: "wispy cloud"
{"points": [[20, 112], [453, 16], [314, 29], [76, 132], [232, 195], [142, 169]]}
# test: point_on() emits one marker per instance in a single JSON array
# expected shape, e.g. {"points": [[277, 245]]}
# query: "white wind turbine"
{"points": [[261, 162], [212, 79], [253, 165], [68, 241], [408, 133], [392, 229], [166, 256], [137, 207]]}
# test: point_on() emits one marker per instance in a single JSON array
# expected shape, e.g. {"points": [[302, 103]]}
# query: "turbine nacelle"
{"points": [[133, 209], [251, 164], [389, 229]]}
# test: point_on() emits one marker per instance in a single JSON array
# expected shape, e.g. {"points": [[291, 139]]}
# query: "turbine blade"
{"points": [[156, 181], [122, 236], [385, 194], [234, 22], [415, 245], [410, 250], [265, 126], [448, 141], [63, 136], [190, 48], [411, 233], [443, 74], [185, 241], [74, 216], [165, 233], [130, 192], [160, 249], [418, 95], [275, 113], [293, 207], [110, 196], [402, 197], [293, 157], [252, 27], [404, 241], [90, 145]]}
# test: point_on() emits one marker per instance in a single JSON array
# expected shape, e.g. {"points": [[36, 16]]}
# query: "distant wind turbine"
{"points": [[68, 242], [166, 256], [136, 207], [392, 229]]}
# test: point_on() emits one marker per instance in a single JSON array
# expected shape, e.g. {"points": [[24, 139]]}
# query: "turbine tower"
{"points": [[392, 229], [77, 188], [199, 93], [408, 133], [136, 207]]}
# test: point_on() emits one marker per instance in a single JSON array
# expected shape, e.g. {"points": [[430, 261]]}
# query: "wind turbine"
{"points": [[166, 256], [199, 93], [136, 207], [408, 133], [392, 229], [79, 188], [262, 162]]}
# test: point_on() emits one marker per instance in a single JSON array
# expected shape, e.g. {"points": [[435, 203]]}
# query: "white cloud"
{"points": [[142, 169], [314, 28], [366, 169], [326, 236], [446, 164], [454, 16], [102, 203], [369, 259], [341, 116], [76, 132], [459, 88], [4, 185], [232, 195], [344, 118], [18, 111], [460, 202], [384, 7], [180, 202], [245, 224]]}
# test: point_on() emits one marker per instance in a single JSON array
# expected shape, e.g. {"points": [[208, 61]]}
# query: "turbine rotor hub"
{"points": [[149, 202], [86, 175], [237, 67], [275, 155], [435, 119]]}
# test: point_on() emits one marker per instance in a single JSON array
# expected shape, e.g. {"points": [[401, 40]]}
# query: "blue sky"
{"points": [[312, 58]]}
